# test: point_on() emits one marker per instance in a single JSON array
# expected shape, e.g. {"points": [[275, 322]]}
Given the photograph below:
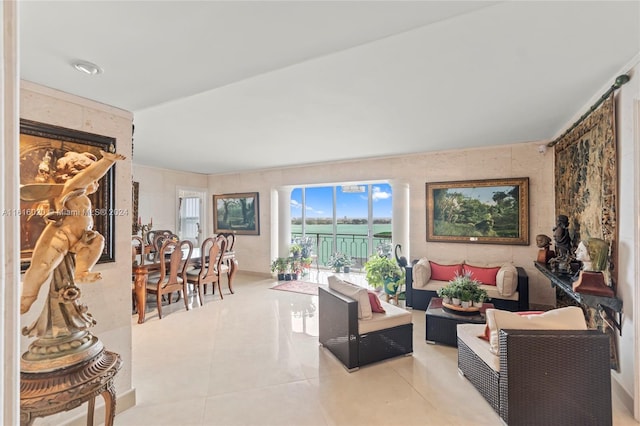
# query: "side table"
{"points": [[47, 393], [441, 324]]}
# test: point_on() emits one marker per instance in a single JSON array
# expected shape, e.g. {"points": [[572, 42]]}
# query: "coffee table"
{"points": [[441, 324]]}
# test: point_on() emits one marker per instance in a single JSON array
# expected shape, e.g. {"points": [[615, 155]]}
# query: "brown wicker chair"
{"points": [[546, 377]]}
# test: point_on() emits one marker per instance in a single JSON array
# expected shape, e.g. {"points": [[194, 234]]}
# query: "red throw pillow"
{"points": [[376, 306], [484, 275], [487, 333], [444, 272]]}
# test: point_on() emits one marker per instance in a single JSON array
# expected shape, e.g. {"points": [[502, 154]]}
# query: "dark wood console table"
{"points": [[564, 281]]}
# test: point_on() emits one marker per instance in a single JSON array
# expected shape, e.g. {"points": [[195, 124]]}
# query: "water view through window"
{"points": [[353, 219]]}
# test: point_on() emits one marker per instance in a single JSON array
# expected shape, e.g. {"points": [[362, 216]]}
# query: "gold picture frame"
{"points": [[237, 213], [490, 211], [41, 145]]}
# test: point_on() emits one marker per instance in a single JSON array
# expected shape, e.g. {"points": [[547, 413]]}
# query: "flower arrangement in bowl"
{"points": [[463, 290], [339, 260]]}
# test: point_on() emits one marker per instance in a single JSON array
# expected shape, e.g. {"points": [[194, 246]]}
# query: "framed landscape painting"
{"points": [[42, 149], [237, 213], [491, 211]]}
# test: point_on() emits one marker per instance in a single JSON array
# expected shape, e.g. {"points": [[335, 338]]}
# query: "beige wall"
{"points": [[158, 193], [109, 300], [517, 160]]}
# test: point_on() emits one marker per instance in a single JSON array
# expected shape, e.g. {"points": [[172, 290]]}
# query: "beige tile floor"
{"points": [[254, 359]]}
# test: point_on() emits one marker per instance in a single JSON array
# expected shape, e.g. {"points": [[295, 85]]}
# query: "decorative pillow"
{"points": [[355, 292], [484, 275], [569, 318], [507, 280], [376, 306], [444, 272], [421, 273], [487, 333]]}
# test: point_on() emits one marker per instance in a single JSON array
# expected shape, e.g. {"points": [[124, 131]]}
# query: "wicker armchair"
{"points": [[545, 377]]}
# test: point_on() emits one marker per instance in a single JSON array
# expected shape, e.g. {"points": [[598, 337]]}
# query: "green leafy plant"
{"points": [[463, 287], [280, 265], [295, 250], [384, 272], [338, 260]]}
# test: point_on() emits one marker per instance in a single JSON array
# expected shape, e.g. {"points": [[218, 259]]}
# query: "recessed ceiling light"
{"points": [[87, 67]]}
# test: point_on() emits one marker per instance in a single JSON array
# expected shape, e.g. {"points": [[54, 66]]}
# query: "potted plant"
{"points": [[445, 294], [480, 296], [384, 272], [295, 267], [338, 260], [463, 290], [295, 250], [280, 266]]}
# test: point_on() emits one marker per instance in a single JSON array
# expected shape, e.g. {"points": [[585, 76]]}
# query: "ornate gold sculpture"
{"points": [[66, 251]]}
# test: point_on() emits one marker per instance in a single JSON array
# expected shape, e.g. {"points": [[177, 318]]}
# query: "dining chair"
{"points": [[137, 259], [211, 262], [230, 261], [173, 262]]}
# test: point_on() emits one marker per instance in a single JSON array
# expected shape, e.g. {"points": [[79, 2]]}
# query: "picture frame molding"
{"points": [[523, 211]]}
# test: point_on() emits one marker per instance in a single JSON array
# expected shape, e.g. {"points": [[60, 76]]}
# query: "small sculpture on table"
{"points": [[544, 254], [65, 365], [593, 278], [562, 239]]}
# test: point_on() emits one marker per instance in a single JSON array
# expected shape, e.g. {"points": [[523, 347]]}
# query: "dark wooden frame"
{"points": [[476, 235], [220, 225], [35, 140]]}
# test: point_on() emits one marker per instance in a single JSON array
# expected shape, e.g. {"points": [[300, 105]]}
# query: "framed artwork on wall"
{"points": [[42, 161], [490, 211], [238, 213]]}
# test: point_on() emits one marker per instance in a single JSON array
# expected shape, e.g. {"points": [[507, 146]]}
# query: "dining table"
{"points": [[141, 275]]}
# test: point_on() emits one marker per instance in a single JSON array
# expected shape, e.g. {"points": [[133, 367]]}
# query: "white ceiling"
{"points": [[220, 87]]}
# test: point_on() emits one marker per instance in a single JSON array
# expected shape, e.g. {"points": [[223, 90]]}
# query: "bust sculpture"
{"points": [[593, 278]]}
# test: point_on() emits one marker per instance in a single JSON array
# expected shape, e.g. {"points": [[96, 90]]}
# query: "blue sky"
{"points": [[352, 205]]}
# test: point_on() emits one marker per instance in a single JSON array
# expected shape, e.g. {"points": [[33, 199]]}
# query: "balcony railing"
{"points": [[355, 245]]}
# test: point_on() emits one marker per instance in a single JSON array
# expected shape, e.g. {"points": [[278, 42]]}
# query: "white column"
{"points": [[400, 223], [284, 221], [9, 226]]}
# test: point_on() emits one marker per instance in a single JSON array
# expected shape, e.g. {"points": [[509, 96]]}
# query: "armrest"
{"points": [[555, 377], [338, 325], [523, 289], [408, 281]]}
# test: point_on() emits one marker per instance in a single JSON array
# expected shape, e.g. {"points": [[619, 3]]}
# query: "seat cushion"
{"points": [[393, 317]]}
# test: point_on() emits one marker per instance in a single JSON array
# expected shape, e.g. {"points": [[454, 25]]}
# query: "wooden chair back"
{"points": [[137, 251], [174, 259], [211, 256], [230, 239]]}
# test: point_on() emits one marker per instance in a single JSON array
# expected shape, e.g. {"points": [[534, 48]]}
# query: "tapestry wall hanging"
{"points": [[586, 179], [586, 191]]}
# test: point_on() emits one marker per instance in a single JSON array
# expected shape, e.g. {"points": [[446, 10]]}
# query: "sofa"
{"points": [[507, 286], [541, 372], [354, 332]]}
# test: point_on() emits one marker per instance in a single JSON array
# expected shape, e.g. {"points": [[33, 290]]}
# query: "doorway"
{"points": [[190, 220]]}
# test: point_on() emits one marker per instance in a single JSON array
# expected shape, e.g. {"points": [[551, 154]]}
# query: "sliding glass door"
{"points": [[353, 219]]}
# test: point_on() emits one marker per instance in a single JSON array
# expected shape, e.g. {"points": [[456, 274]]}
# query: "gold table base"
{"points": [[46, 393]]}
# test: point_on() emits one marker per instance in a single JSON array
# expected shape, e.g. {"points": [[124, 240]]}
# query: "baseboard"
{"points": [[123, 402], [623, 396]]}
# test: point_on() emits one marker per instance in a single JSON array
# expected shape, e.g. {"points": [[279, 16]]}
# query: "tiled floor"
{"points": [[253, 359]]}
